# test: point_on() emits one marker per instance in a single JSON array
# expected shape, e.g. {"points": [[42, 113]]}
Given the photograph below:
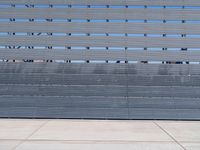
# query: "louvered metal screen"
{"points": [[100, 59]]}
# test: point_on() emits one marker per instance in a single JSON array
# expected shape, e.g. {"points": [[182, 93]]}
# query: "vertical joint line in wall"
{"points": [[50, 33], [69, 34], [30, 33], [145, 35], [164, 34], [87, 49], [184, 21], [68, 50], [127, 87], [12, 33], [127, 70], [107, 49], [145, 21], [107, 34], [126, 55]]}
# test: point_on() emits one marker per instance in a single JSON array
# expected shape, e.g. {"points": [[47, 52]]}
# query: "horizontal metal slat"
{"points": [[163, 103], [62, 90], [106, 2], [63, 68], [65, 102], [104, 68], [164, 91], [169, 114], [101, 27], [61, 79], [134, 55], [98, 79], [62, 112], [100, 113], [99, 102], [104, 41], [100, 13], [56, 54], [107, 91]]}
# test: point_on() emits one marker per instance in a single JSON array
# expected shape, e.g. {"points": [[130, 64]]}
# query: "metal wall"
{"points": [[141, 59]]}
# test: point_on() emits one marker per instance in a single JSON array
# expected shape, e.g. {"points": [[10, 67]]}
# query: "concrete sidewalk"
{"points": [[24, 134]]}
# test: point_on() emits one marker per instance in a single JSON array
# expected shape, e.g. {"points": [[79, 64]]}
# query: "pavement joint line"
{"points": [[20, 142], [42, 125], [170, 135], [88, 141], [24, 140]]}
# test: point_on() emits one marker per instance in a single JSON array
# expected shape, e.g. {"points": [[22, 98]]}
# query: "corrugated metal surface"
{"points": [[98, 90]]}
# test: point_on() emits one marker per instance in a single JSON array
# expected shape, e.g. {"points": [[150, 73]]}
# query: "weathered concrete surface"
{"points": [[98, 135]]}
